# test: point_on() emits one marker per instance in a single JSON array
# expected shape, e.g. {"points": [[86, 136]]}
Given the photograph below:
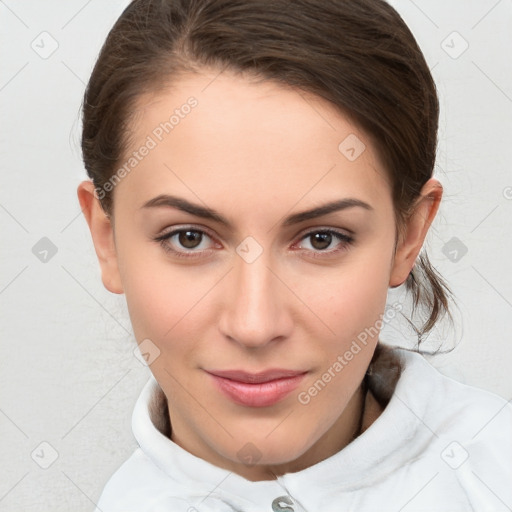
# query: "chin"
{"points": [[266, 449]]}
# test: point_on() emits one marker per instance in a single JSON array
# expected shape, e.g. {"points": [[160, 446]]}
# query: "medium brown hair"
{"points": [[357, 54]]}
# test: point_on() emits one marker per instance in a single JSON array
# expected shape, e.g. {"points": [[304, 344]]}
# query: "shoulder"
{"points": [[140, 484], [466, 433], [438, 407], [479, 424], [471, 413]]}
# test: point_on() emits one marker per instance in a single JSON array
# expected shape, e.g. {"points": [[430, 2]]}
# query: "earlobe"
{"points": [[102, 233], [419, 222]]}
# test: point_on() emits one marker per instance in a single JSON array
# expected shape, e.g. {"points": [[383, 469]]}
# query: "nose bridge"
{"points": [[253, 285], [254, 315]]}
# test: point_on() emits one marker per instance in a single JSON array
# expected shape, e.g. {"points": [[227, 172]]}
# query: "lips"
{"points": [[260, 389], [255, 378]]}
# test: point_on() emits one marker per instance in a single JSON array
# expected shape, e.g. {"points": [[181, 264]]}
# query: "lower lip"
{"points": [[262, 394]]}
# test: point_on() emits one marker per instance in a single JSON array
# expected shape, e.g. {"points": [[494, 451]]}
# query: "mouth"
{"points": [[261, 389]]}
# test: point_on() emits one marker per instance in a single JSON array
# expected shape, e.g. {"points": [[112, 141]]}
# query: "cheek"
{"points": [[159, 296], [350, 298], [351, 303], [161, 304]]}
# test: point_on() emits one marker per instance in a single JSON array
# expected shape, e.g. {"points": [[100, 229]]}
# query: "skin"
{"points": [[255, 152]]}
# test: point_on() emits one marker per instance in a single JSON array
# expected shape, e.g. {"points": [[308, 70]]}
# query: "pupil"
{"points": [[321, 240], [190, 239]]}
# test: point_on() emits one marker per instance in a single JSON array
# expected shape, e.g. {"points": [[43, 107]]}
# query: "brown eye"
{"points": [[320, 240], [325, 242], [190, 239], [187, 242]]}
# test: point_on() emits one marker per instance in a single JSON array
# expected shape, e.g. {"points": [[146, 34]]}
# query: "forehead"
{"points": [[212, 133]]}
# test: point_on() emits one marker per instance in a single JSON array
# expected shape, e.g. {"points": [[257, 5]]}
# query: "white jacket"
{"points": [[438, 446]]}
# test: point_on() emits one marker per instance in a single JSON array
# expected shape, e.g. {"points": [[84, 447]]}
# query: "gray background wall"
{"points": [[68, 376]]}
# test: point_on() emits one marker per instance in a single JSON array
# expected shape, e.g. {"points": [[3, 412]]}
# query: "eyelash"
{"points": [[163, 240]]}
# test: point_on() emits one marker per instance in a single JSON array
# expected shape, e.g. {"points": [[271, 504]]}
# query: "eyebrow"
{"points": [[166, 200]]}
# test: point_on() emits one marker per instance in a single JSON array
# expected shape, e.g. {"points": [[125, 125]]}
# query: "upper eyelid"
{"points": [[338, 231], [343, 237], [305, 232], [185, 227]]}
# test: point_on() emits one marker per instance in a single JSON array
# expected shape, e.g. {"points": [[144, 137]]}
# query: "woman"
{"points": [[261, 175]]}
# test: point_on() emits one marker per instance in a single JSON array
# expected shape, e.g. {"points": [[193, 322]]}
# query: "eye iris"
{"points": [[321, 240], [190, 239]]}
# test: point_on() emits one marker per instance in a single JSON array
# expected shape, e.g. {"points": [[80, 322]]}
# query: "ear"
{"points": [[102, 233], [410, 244]]}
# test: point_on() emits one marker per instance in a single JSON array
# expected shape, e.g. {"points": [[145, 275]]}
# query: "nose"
{"points": [[256, 307]]}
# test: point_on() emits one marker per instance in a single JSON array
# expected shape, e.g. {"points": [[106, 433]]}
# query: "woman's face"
{"points": [[255, 232]]}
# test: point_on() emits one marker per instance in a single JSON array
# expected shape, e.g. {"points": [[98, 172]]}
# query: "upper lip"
{"points": [[256, 378]]}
